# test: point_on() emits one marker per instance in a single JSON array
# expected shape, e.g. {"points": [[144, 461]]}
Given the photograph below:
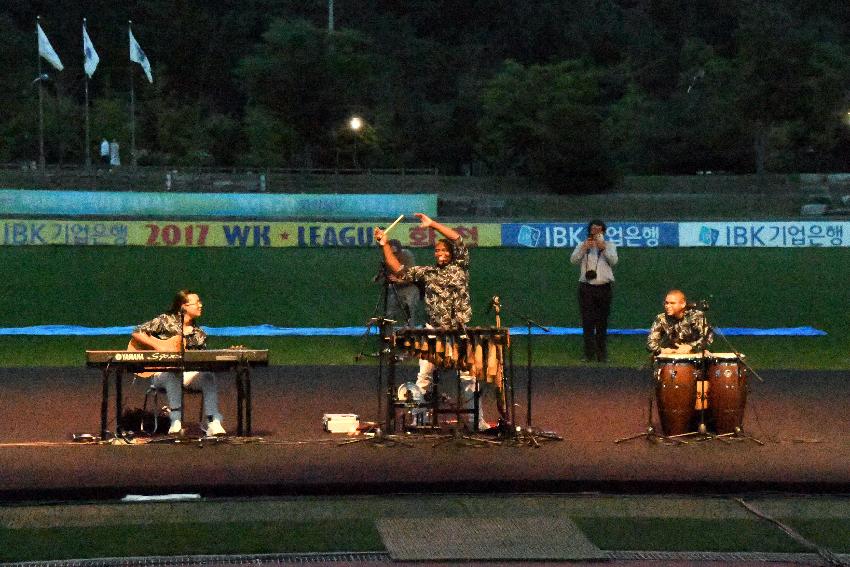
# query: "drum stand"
{"points": [[650, 433], [738, 432], [702, 433]]}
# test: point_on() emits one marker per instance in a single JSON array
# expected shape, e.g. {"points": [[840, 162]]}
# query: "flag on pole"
{"points": [[138, 56], [90, 58], [46, 50]]}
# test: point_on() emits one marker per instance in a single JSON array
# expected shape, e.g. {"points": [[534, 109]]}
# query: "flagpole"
{"points": [[88, 134], [132, 110], [41, 161]]}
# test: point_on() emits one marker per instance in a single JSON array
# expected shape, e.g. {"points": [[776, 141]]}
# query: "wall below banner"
{"points": [[23, 202]]}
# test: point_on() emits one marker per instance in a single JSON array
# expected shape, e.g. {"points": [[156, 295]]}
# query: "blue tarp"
{"points": [[272, 331]]}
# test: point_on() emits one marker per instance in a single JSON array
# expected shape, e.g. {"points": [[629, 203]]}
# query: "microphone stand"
{"points": [[528, 358], [529, 434], [385, 352], [379, 314], [181, 370]]}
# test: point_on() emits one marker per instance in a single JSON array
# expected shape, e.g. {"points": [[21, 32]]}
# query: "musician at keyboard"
{"points": [[163, 333]]}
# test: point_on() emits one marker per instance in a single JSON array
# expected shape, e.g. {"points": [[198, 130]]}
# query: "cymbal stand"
{"points": [[650, 433]]}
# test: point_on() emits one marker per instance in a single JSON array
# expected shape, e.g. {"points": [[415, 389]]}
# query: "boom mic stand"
{"points": [[386, 353], [379, 314], [528, 434]]}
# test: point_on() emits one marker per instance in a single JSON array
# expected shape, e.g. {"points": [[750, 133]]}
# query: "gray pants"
{"points": [[467, 387], [203, 381]]}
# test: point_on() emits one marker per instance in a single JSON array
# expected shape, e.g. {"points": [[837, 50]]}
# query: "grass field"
{"points": [[348, 524], [104, 286]]}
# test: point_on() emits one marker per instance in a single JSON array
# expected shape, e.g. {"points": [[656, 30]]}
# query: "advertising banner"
{"points": [[765, 234], [262, 234], [568, 235], [250, 234]]}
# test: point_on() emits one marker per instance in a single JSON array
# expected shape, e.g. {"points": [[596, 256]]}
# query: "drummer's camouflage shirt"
{"points": [[446, 288], [692, 329], [168, 325]]}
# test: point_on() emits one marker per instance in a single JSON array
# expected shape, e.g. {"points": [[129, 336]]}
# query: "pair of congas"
{"points": [[688, 384]]}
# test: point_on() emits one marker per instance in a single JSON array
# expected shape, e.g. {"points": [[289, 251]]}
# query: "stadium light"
{"points": [[355, 123]]}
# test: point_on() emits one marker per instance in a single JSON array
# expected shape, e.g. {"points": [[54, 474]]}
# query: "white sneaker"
{"points": [[214, 428], [176, 427]]}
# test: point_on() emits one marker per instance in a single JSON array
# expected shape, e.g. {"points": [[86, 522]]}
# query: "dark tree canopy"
{"points": [[570, 93]]}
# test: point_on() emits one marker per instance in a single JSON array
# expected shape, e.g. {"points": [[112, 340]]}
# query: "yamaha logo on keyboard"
{"points": [[129, 356], [146, 356]]}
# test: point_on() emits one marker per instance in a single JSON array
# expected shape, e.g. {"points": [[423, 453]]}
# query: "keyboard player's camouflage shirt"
{"points": [[168, 325], [447, 299]]}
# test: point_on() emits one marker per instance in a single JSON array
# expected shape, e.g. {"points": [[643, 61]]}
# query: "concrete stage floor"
{"points": [[801, 417]]}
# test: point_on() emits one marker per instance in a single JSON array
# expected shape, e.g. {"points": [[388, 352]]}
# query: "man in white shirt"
{"points": [[596, 256]]}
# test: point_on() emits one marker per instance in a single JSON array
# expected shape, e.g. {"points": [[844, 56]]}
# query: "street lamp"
{"points": [[355, 123]]}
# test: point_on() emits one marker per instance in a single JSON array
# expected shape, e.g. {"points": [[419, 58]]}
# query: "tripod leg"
{"points": [[650, 430], [649, 427]]}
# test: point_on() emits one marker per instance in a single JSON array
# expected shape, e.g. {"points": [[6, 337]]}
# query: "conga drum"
{"points": [[676, 377], [727, 391]]}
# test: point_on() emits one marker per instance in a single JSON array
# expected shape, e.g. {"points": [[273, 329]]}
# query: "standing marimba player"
{"points": [[447, 301]]}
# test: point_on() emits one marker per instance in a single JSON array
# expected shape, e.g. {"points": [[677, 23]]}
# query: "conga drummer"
{"points": [[679, 330], [678, 339]]}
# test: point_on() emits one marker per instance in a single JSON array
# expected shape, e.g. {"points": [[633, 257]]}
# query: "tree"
{"points": [[310, 81], [785, 74], [546, 121]]}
